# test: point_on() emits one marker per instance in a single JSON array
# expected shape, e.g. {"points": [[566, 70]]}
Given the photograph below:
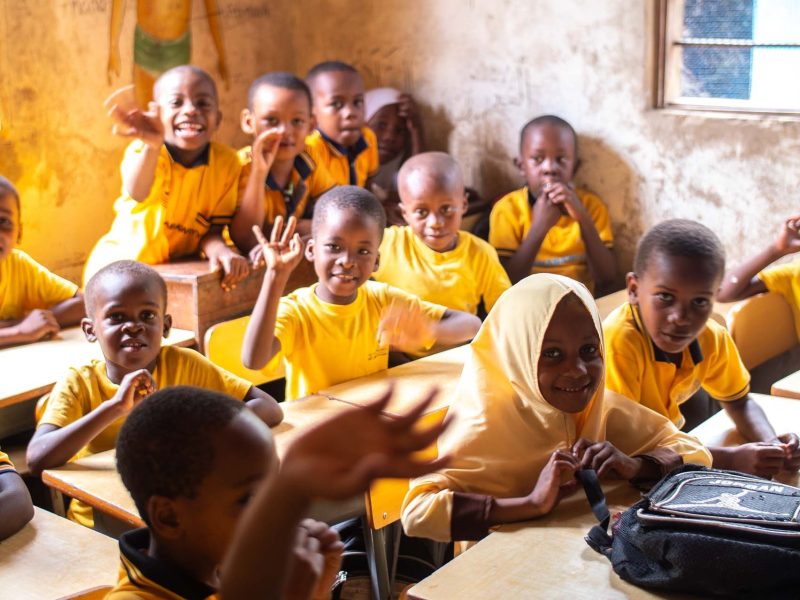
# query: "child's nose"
{"points": [[679, 315], [435, 220]]}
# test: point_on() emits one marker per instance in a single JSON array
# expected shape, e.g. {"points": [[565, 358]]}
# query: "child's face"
{"points": [[9, 224], [675, 296], [433, 214], [570, 365], [344, 251], [189, 110], [547, 156], [339, 106], [128, 322], [391, 131], [286, 111]]}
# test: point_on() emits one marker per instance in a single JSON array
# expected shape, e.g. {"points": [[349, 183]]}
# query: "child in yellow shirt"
{"points": [[281, 177], [34, 303], [126, 303], [343, 326], [179, 189], [430, 257], [662, 347], [549, 226], [15, 500], [342, 144]]}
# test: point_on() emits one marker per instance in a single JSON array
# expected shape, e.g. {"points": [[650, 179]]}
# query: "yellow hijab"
{"points": [[503, 430]]}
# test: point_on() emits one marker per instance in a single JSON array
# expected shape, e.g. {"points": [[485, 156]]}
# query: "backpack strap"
{"points": [[597, 537]]}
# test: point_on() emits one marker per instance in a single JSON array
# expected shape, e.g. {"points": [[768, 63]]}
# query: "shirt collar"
{"points": [[531, 197], [658, 354], [198, 162], [352, 152], [301, 165]]}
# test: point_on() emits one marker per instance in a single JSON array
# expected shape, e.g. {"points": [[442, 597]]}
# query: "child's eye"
{"points": [[203, 104], [271, 121], [244, 499], [591, 350], [337, 104], [537, 159], [332, 247], [364, 251], [446, 210], [551, 353], [421, 212], [115, 317], [702, 302], [148, 315], [6, 223], [562, 160], [358, 102], [664, 297], [175, 103], [298, 122]]}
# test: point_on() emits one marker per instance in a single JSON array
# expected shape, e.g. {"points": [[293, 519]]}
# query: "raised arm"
{"points": [[456, 327]]}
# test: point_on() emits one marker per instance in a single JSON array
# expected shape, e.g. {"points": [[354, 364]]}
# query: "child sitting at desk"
{"points": [[192, 460], [343, 326], [16, 508], [126, 303], [430, 257], [34, 303], [179, 189], [531, 410], [662, 347]]}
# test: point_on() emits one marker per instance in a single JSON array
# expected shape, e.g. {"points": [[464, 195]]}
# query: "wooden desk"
{"points": [[53, 557], [788, 387], [196, 301]]}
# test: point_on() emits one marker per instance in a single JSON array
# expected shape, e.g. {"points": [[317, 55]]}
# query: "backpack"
{"points": [[707, 531]]}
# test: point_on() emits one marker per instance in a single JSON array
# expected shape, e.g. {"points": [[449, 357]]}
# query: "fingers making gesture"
{"points": [[284, 249]]}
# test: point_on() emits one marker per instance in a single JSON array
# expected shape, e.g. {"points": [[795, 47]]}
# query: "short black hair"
{"points": [[7, 189], [680, 237], [547, 120], [328, 66], [186, 69], [163, 448], [349, 197], [129, 268], [278, 79]]}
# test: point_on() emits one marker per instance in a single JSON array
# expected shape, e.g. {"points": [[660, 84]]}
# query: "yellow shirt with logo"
{"points": [[26, 285], [457, 279], [86, 387], [562, 251], [347, 166], [183, 204], [324, 344], [639, 370], [785, 280], [307, 182]]}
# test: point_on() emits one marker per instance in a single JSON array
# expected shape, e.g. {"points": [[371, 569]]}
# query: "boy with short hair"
{"points": [[179, 188], [34, 303], [341, 327], [15, 500], [342, 144], [281, 177], [430, 257], [548, 226], [126, 302], [662, 347]]}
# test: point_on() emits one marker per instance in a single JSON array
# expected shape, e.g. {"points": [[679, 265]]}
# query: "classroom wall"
{"points": [[479, 68]]}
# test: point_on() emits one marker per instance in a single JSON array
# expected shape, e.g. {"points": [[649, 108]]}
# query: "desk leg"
{"points": [[375, 543], [57, 498]]}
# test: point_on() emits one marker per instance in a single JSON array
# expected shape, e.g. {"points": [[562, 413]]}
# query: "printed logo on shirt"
{"points": [[378, 354], [182, 229]]}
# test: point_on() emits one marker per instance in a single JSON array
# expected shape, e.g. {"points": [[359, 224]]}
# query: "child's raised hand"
{"points": [[132, 121], [563, 196], [549, 490], [284, 250], [134, 387], [407, 109], [764, 459], [265, 149], [405, 328], [37, 324], [791, 450], [788, 240], [606, 459], [233, 265]]}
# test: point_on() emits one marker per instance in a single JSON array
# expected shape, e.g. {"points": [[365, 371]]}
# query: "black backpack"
{"points": [[707, 531]]}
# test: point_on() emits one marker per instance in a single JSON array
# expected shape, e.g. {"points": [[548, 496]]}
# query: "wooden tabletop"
{"points": [[30, 370], [788, 387], [53, 557]]}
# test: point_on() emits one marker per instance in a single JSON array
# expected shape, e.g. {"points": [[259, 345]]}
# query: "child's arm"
{"points": [[69, 312], [408, 110], [53, 446], [743, 282], [455, 327], [15, 504], [281, 254], [36, 325], [251, 209], [545, 215], [233, 265], [408, 329], [607, 459], [264, 405]]}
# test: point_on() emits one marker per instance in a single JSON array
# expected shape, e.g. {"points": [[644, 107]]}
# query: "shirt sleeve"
{"points": [[779, 279], [505, 228], [495, 279], [372, 152], [727, 378], [203, 373], [286, 323], [47, 288], [599, 213], [67, 402], [427, 512], [623, 362]]}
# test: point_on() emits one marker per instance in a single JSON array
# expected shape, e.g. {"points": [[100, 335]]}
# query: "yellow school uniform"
{"points": [[85, 388], [325, 344], [26, 285], [307, 182], [5, 463], [347, 166], [785, 280], [142, 577], [638, 369], [562, 251], [503, 430], [457, 279], [183, 204]]}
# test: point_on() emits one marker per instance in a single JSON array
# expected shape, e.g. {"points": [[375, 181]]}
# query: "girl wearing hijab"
{"points": [[532, 409]]}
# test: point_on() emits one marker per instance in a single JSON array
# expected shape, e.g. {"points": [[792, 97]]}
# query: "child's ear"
{"points": [[309, 251], [167, 325], [164, 518], [88, 329], [246, 122], [377, 262], [632, 283], [518, 163], [578, 164], [312, 123]]}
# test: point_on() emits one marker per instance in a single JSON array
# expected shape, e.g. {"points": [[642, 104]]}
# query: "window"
{"points": [[740, 55]]}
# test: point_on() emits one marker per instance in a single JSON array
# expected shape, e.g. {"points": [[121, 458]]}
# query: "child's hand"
{"points": [[234, 266], [549, 490], [131, 121], [606, 459], [264, 150], [407, 109], [764, 459], [256, 256], [563, 196], [788, 240], [545, 213], [331, 548], [405, 329], [38, 324], [791, 450], [306, 568], [134, 387], [284, 250]]}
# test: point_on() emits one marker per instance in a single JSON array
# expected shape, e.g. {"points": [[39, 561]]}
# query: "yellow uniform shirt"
{"points": [[785, 280], [181, 207], [325, 344], [26, 285], [85, 388], [142, 577], [457, 279], [347, 166], [5, 463], [638, 369], [307, 182], [562, 251]]}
